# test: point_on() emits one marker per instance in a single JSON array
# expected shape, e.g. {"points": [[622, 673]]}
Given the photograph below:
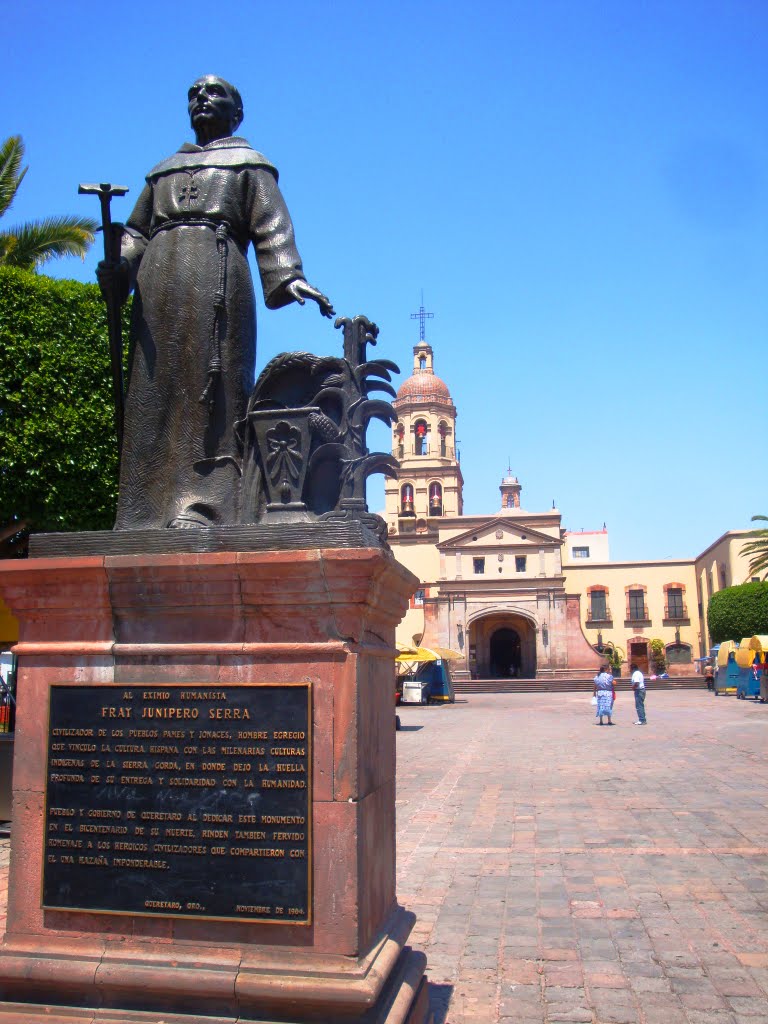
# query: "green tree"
{"points": [[658, 657], [58, 469], [614, 656], [737, 612], [32, 244], [757, 549]]}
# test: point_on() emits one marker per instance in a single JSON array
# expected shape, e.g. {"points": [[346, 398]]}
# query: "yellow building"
{"points": [[512, 591]]}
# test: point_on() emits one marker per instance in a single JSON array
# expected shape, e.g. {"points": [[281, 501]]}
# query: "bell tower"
{"points": [[429, 485], [510, 491]]}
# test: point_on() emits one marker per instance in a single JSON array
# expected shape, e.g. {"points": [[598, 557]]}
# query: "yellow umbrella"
{"points": [[446, 653], [409, 659], [423, 654], [417, 654]]}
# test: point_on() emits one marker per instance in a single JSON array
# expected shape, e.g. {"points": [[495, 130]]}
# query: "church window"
{"points": [[478, 565], [422, 362], [406, 500], [581, 552], [520, 563], [435, 499]]}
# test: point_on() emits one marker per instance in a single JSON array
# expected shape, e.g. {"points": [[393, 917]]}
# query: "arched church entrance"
{"points": [[502, 645]]}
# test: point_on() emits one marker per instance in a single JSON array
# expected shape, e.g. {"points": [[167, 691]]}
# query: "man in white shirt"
{"points": [[638, 685]]}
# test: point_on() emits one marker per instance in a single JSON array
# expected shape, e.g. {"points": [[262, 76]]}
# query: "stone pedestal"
{"points": [[323, 616]]}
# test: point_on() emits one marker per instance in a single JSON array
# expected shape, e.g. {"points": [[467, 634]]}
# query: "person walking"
{"points": [[604, 692], [638, 685]]}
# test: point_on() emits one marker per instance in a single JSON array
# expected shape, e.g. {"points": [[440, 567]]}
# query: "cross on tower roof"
{"points": [[422, 316]]}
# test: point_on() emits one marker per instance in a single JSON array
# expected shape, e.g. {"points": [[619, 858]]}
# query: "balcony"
{"points": [[637, 615], [599, 617], [433, 451], [676, 614]]}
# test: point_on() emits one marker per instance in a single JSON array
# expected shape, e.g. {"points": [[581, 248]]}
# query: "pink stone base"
{"points": [[262, 986], [327, 617], [404, 1001]]}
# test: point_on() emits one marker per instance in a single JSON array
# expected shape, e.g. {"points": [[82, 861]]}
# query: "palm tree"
{"points": [[757, 549], [30, 245]]}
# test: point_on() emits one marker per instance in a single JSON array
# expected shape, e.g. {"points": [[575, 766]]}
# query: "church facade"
{"points": [[512, 592]]}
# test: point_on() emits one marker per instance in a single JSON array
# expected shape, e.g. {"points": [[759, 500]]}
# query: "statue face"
{"points": [[212, 106]]}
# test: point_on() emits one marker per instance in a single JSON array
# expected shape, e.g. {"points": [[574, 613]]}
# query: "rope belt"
{"points": [[219, 304], [195, 221]]}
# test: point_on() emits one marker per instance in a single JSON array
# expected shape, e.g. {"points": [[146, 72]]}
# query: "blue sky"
{"points": [[579, 188]]}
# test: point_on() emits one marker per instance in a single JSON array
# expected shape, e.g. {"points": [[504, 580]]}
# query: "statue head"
{"points": [[215, 108]]}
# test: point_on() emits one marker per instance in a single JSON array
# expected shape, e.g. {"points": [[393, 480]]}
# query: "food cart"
{"points": [[723, 682], [750, 658], [424, 675]]}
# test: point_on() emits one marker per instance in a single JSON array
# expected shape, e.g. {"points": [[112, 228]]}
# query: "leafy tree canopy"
{"points": [[737, 612], [32, 244], [58, 469]]}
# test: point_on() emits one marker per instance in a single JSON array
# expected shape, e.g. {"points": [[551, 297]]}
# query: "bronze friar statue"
{"points": [[183, 251]]}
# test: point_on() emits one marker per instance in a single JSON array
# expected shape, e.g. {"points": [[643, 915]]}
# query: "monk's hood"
{"points": [[231, 153]]}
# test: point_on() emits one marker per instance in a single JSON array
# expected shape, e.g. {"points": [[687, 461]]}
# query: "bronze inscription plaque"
{"points": [[180, 800]]}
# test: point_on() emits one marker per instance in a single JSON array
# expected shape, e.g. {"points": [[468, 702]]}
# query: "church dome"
{"points": [[424, 386]]}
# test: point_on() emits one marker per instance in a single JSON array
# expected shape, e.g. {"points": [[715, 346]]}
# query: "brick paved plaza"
{"points": [[564, 872]]}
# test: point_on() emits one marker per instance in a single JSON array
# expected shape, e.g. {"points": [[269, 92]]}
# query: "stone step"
{"points": [[579, 684]]}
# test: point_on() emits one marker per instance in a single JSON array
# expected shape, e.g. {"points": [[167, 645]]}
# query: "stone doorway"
{"points": [[638, 655], [502, 646]]}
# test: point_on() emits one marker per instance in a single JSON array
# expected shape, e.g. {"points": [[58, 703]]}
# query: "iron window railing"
{"points": [[599, 613], [675, 610]]}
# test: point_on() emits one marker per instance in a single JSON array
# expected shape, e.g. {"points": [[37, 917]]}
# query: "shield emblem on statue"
{"points": [[283, 440]]}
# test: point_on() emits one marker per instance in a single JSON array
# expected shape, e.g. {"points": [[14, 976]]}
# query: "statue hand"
{"points": [[301, 290], [113, 279]]}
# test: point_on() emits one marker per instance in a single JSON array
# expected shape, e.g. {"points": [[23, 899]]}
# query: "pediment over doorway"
{"points": [[513, 533]]}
